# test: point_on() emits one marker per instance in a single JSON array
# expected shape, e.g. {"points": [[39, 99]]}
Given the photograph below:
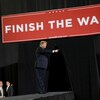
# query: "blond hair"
{"points": [[42, 42]]}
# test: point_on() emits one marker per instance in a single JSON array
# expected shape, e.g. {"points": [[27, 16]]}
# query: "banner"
{"points": [[58, 23]]}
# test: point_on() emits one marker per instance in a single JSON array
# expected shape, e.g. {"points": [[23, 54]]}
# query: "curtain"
{"points": [[79, 53]]}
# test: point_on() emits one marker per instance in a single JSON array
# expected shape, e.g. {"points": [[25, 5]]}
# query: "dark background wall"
{"points": [[97, 44], [80, 55]]}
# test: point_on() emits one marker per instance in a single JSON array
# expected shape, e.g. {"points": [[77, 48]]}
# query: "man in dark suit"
{"points": [[9, 89], [41, 65]]}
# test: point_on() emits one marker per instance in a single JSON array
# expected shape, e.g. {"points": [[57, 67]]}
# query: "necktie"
{"points": [[0, 93]]}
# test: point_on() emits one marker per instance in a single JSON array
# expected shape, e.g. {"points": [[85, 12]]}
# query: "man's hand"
{"points": [[55, 51]]}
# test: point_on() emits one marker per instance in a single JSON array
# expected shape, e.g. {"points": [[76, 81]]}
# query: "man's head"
{"points": [[1, 83], [8, 83], [43, 44]]}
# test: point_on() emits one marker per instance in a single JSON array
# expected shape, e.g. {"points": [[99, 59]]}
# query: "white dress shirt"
{"points": [[7, 88], [1, 90]]}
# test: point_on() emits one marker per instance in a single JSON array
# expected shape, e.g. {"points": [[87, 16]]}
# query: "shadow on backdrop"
{"points": [[58, 75]]}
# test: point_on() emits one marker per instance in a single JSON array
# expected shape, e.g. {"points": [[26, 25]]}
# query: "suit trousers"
{"points": [[41, 75]]}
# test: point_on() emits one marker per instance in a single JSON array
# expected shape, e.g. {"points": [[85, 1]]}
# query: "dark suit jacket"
{"points": [[42, 57], [9, 92], [0, 93]]}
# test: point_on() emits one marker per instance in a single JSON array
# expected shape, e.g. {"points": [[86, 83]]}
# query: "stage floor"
{"points": [[48, 96]]}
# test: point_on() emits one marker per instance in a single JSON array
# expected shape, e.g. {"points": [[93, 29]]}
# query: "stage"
{"points": [[48, 96]]}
